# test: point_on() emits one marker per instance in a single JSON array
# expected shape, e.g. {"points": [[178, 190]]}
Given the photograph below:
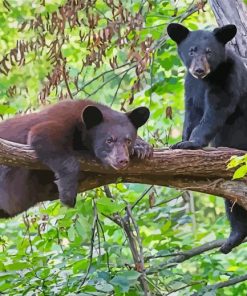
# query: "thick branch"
{"points": [[208, 163], [196, 170]]}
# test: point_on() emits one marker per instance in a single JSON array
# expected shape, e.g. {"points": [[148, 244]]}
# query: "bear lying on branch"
{"points": [[56, 134]]}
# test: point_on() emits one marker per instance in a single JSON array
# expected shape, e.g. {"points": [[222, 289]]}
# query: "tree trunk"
{"points": [[233, 12]]}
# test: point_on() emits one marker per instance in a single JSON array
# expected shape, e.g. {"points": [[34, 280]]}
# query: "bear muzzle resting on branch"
{"points": [[215, 102], [58, 134]]}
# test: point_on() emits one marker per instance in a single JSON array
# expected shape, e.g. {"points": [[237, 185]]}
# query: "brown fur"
{"points": [[56, 133]]}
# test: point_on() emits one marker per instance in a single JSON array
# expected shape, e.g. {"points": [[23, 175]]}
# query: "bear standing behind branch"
{"points": [[215, 102], [58, 134]]}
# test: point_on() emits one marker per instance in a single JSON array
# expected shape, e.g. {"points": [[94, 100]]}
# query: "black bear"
{"points": [[57, 134], [215, 102]]}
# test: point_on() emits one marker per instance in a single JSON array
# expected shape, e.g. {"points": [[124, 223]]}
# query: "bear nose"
{"points": [[123, 162], [199, 71]]}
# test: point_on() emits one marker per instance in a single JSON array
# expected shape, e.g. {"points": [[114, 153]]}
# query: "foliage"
{"points": [[117, 53], [239, 162]]}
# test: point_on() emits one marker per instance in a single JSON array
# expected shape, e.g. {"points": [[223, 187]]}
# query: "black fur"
{"points": [[215, 102]]}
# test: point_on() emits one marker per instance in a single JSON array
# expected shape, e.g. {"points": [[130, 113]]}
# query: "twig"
{"points": [[126, 225], [58, 237], [27, 223], [119, 84], [159, 292], [191, 10], [110, 79], [93, 229], [183, 256], [191, 208], [168, 200], [108, 192], [107, 254], [231, 282], [115, 218], [141, 267], [141, 197], [133, 240], [98, 234], [185, 286], [65, 78], [99, 76], [147, 258]]}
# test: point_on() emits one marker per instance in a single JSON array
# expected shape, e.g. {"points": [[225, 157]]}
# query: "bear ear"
{"points": [[225, 34], [177, 32], [138, 116], [91, 116]]}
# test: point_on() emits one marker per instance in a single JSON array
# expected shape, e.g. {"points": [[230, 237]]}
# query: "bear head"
{"points": [[110, 135], [201, 51]]}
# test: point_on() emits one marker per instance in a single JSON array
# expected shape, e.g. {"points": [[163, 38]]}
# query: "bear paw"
{"points": [[142, 149], [67, 192], [186, 145], [235, 239]]}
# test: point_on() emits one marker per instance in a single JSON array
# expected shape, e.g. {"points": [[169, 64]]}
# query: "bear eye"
{"points": [[208, 51], [128, 141], [192, 50], [109, 140]]}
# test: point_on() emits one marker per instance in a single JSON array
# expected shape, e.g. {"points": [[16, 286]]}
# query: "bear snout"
{"points": [[199, 67]]}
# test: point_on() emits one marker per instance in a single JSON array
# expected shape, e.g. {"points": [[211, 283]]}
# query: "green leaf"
{"points": [[166, 226], [104, 287], [125, 279], [80, 265], [43, 273], [108, 206], [71, 233], [240, 172], [236, 161], [5, 109], [17, 266]]}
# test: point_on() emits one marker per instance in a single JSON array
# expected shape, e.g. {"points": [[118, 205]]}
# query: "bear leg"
{"points": [[238, 220]]}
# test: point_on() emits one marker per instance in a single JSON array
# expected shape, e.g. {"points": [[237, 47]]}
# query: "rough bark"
{"points": [[196, 170], [233, 12]]}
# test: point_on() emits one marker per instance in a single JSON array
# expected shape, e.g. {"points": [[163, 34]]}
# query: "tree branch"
{"points": [[186, 255], [195, 170], [230, 282]]}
